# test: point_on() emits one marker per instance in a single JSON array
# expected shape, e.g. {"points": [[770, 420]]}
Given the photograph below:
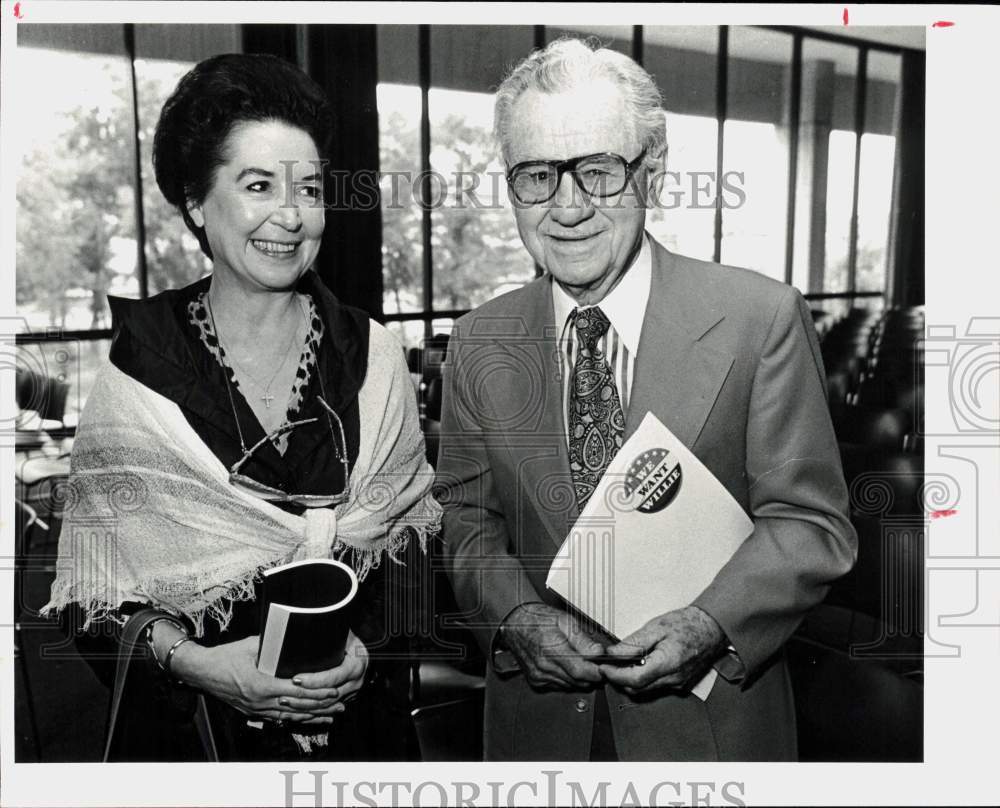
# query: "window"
{"points": [[449, 238], [77, 206], [683, 62], [173, 256], [164, 53], [825, 183], [75, 189], [875, 174], [839, 190], [398, 94], [477, 253], [732, 197], [755, 153]]}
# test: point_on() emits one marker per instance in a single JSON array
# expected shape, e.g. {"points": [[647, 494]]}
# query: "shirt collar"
{"points": [[625, 305]]}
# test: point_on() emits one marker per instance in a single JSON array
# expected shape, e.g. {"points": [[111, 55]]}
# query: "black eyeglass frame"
{"points": [[271, 494], [562, 166]]}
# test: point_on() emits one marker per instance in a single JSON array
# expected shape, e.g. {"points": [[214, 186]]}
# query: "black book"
{"points": [[305, 616]]}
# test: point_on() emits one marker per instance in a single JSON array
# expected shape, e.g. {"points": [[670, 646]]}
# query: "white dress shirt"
{"points": [[625, 307]]}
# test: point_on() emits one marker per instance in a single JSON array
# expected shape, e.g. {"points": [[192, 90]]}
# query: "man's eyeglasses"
{"points": [[266, 492], [597, 175]]}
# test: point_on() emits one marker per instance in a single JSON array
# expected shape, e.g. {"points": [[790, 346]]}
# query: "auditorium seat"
{"points": [[863, 636], [887, 392], [433, 398], [888, 577], [432, 440], [876, 611], [823, 321], [838, 388], [413, 360], [451, 730], [447, 678], [873, 427], [851, 709], [435, 351]]}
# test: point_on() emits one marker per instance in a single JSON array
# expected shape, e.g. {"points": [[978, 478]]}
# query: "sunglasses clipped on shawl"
{"points": [[266, 492]]}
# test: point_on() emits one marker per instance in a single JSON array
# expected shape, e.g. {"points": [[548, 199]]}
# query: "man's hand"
{"points": [[552, 647], [679, 647]]}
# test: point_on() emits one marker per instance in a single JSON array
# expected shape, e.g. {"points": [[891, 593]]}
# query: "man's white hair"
{"points": [[569, 63]]}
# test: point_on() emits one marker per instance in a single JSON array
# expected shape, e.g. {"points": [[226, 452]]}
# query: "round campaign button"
{"points": [[653, 480]]}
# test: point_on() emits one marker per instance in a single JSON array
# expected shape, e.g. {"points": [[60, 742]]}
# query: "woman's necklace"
{"points": [[267, 398]]}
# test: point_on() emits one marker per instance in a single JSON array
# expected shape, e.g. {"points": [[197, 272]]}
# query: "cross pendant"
{"points": [[267, 399]]}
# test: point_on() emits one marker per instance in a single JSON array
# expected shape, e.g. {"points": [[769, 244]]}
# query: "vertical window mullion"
{"points": [[721, 109], [539, 36], [424, 58], [140, 215], [860, 95], [794, 115]]}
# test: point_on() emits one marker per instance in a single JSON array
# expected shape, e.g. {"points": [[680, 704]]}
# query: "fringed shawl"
{"points": [[150, 515]]}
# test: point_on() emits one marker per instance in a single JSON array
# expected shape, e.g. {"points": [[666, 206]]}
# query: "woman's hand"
{"points": [[229, 672], [346, 679]]}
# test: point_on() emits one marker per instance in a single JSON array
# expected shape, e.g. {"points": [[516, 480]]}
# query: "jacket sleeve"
{"points": [[480, 559], [802, 538]]}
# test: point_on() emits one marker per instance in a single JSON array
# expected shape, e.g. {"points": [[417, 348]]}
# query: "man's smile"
{"points": [[573, 240]]}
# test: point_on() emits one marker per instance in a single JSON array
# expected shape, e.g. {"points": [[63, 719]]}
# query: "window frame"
{"points": [[429, 313]]}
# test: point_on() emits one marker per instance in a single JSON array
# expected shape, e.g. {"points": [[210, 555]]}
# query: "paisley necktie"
{"points": [[596, 419]]}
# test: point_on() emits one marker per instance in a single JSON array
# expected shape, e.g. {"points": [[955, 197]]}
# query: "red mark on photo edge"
{"points": [[17, 11], [941, 514], [845, 16], [942, 24]]}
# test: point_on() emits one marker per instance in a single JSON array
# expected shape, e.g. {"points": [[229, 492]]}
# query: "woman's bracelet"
{"points": [[149, 634], [165, 666], [170, 653]]}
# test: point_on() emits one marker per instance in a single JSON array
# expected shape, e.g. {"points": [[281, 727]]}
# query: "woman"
{"points": [[246, 420]]}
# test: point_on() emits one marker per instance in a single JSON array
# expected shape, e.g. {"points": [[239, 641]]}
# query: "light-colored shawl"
{"points": [[150, 515]]}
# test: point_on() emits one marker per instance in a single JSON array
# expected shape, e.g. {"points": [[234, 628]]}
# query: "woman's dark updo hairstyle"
{"points": [[212, 98]]}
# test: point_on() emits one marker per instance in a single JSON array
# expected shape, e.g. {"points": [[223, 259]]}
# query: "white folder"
{"points": [[656, 531]]}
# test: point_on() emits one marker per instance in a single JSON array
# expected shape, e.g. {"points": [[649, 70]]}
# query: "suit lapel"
{"points": [[678, 373], [545, 475]]}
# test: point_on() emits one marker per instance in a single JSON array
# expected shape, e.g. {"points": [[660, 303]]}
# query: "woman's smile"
{"points": [[275, 249]]}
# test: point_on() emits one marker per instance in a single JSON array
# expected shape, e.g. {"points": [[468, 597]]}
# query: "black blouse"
{"points": [[155, 343]]}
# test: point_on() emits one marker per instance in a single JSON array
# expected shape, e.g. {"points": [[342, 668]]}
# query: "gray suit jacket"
{"points": [[729, 361]]}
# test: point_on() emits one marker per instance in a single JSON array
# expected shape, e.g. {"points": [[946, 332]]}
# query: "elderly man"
{"points": [[725, 357]]}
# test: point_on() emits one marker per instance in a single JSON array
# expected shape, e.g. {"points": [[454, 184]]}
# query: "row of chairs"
{"points": [[857, 657], [874, 361]]}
